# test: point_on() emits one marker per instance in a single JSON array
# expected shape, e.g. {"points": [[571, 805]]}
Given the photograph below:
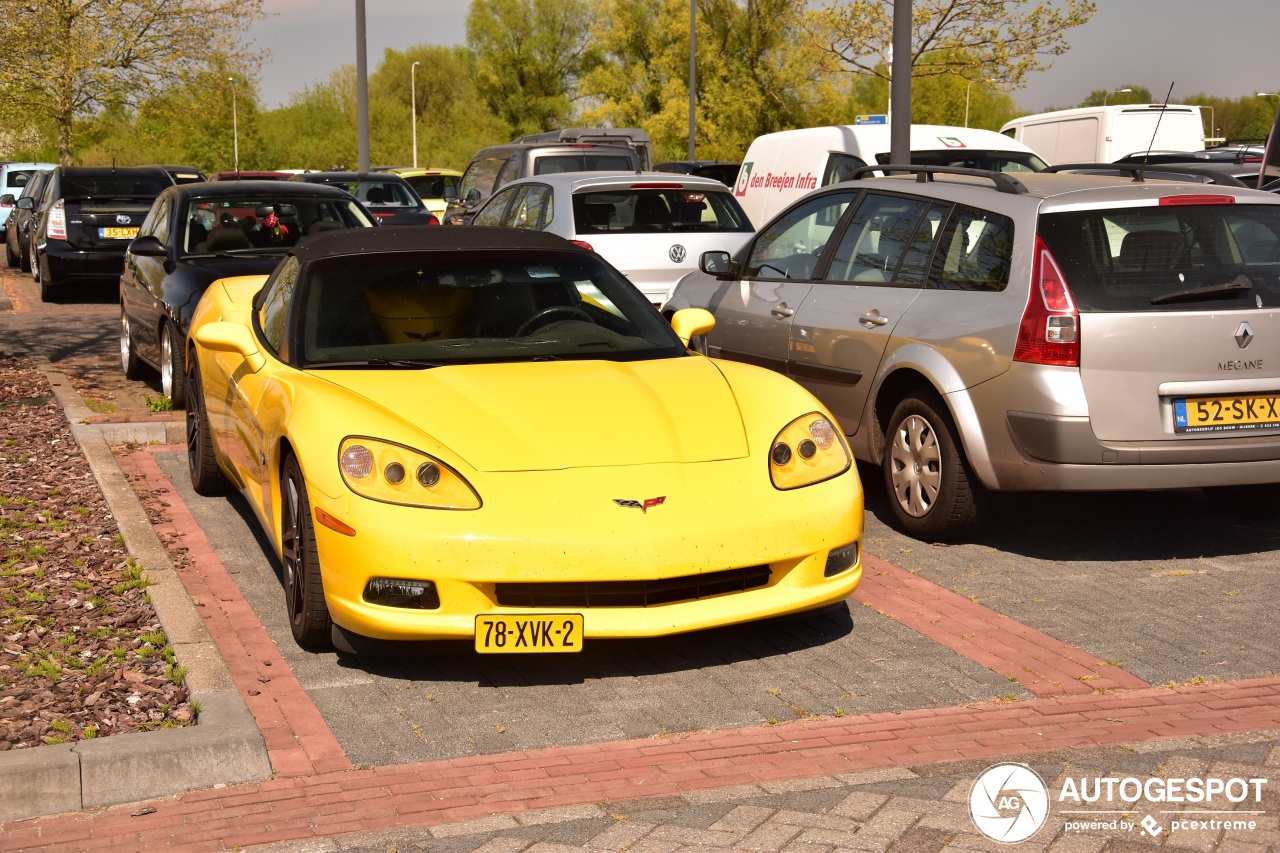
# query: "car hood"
{"points": [[571, 414]]}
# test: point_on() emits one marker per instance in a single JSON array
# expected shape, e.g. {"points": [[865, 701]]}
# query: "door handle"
{"points": [[781, 310], [873, 318]]}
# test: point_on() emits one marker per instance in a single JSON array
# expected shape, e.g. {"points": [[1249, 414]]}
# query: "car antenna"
{"points": [[1143, 170]]}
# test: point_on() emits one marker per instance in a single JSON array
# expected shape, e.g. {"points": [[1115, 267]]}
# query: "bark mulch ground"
{"points": [[82, 653]]}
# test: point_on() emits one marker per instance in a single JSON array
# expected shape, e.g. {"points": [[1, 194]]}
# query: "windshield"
{"points": [[968, 158], [261, 223], [642, 210], [1187, 257], [433, 186], [431, 308]]}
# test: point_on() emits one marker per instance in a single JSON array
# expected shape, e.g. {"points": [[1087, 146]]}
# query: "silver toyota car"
{"points": [[977, 332]]}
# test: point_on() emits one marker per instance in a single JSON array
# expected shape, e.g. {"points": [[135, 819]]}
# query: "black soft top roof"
{"points": [[418, 238], [239, 189]]}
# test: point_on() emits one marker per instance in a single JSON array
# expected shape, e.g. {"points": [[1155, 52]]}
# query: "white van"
{"points": [[1105, 134], [780, 167]]}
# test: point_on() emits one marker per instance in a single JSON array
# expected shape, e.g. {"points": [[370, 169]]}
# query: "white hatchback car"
{"points": [[651, 226]]}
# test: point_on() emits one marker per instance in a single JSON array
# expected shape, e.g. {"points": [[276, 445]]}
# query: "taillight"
{"points": [[584, 244], [1050, 328], [1181, 200], [57, 229]]}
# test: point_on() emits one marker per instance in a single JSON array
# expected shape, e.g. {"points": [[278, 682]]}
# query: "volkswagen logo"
{"points": [[1244, 335], [677, 253], [123, 219]]}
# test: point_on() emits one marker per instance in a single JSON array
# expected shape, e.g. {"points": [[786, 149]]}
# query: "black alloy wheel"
{"points": [[202, 464], [303, 587]]}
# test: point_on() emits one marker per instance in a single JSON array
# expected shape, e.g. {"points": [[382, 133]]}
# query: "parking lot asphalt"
{"points": [[1104, 636]]}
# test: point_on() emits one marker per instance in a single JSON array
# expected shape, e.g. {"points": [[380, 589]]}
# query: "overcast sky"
{"points": [[1215, 47]]}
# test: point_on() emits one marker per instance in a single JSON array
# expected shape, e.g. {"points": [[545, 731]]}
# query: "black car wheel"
{"points": [[128, 356], [24, 256], [10, 256], [933, 494], [173, 381], [206, 477], [303, 587]]}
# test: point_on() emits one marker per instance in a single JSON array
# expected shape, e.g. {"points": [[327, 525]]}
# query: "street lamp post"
{"points": [[1268, 94], [967, 89], [1114, 92], [235, 125], [413, 104]]}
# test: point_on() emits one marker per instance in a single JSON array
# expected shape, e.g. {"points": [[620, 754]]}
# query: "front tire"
{"points": [[206, 477], [11, 257], [128, 355], [303, 587], [933, 493], [173, 381]]}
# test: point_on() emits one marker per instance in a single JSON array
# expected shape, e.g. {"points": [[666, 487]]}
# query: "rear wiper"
{"points": [[408, 363], [1239, 284]]}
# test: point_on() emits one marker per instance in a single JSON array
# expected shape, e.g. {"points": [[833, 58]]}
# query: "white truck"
{"points": [[1105, 134]]}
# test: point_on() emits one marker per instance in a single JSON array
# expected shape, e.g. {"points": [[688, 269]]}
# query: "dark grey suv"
{"points": [[974, 332]]}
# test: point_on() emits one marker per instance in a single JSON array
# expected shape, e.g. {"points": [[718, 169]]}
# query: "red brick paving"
{"points": [[1043, 665], [322, 796]]}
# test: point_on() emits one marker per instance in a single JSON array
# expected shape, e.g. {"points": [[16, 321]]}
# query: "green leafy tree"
{"points": [[93, 54], [453, 121], [992, 40], [529, 55], [754, 74], [1129, 93]]}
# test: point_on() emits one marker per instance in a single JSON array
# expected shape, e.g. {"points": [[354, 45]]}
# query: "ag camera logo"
{"points": [[1009, 803]]}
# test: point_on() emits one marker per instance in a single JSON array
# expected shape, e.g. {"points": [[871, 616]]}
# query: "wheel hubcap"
{"points": [[126, 345], [166, 366], [915, 466]]}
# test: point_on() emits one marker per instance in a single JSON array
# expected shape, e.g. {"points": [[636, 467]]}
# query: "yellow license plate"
{"points": [[118, 233], [1227, 414], [529, 632]]}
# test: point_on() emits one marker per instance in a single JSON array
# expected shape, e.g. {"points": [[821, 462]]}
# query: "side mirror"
{"points": [[715, 263], [148, 247], [26, 202], [232, 338], [688, 323], [473, 196], [450, 193]]}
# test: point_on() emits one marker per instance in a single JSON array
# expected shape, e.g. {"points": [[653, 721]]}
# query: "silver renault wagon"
{"points": [[978, 332]]}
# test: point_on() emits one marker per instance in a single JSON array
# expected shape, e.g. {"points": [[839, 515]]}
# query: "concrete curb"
{"points": [[225, 746]]}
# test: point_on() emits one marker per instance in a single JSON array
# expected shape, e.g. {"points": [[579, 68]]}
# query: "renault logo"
{"points": [[1244, 335], [677, 253], [122, 219]]}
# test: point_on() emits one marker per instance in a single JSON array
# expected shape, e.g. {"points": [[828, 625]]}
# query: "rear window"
{"points": [[553, 164], [17, 178], [970, 158], [639, 211], [99, 186], [1173, 258]]}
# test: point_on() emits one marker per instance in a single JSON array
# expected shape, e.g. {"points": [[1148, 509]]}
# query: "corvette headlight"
{"points": [[809, 450], [392, 473]]}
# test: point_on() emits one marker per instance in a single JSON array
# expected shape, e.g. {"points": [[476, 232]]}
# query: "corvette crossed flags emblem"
{"points": [[643, 505]]}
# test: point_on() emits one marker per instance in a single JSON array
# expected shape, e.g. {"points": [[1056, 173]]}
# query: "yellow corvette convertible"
{"points": [[491, 435]]}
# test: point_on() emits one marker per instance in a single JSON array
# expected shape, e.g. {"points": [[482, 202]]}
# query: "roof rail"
{"points": [[1135, 170], [1004, 182]]}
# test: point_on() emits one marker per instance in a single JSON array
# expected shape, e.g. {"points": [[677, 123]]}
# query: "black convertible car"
{"points": [[196, 234]]}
